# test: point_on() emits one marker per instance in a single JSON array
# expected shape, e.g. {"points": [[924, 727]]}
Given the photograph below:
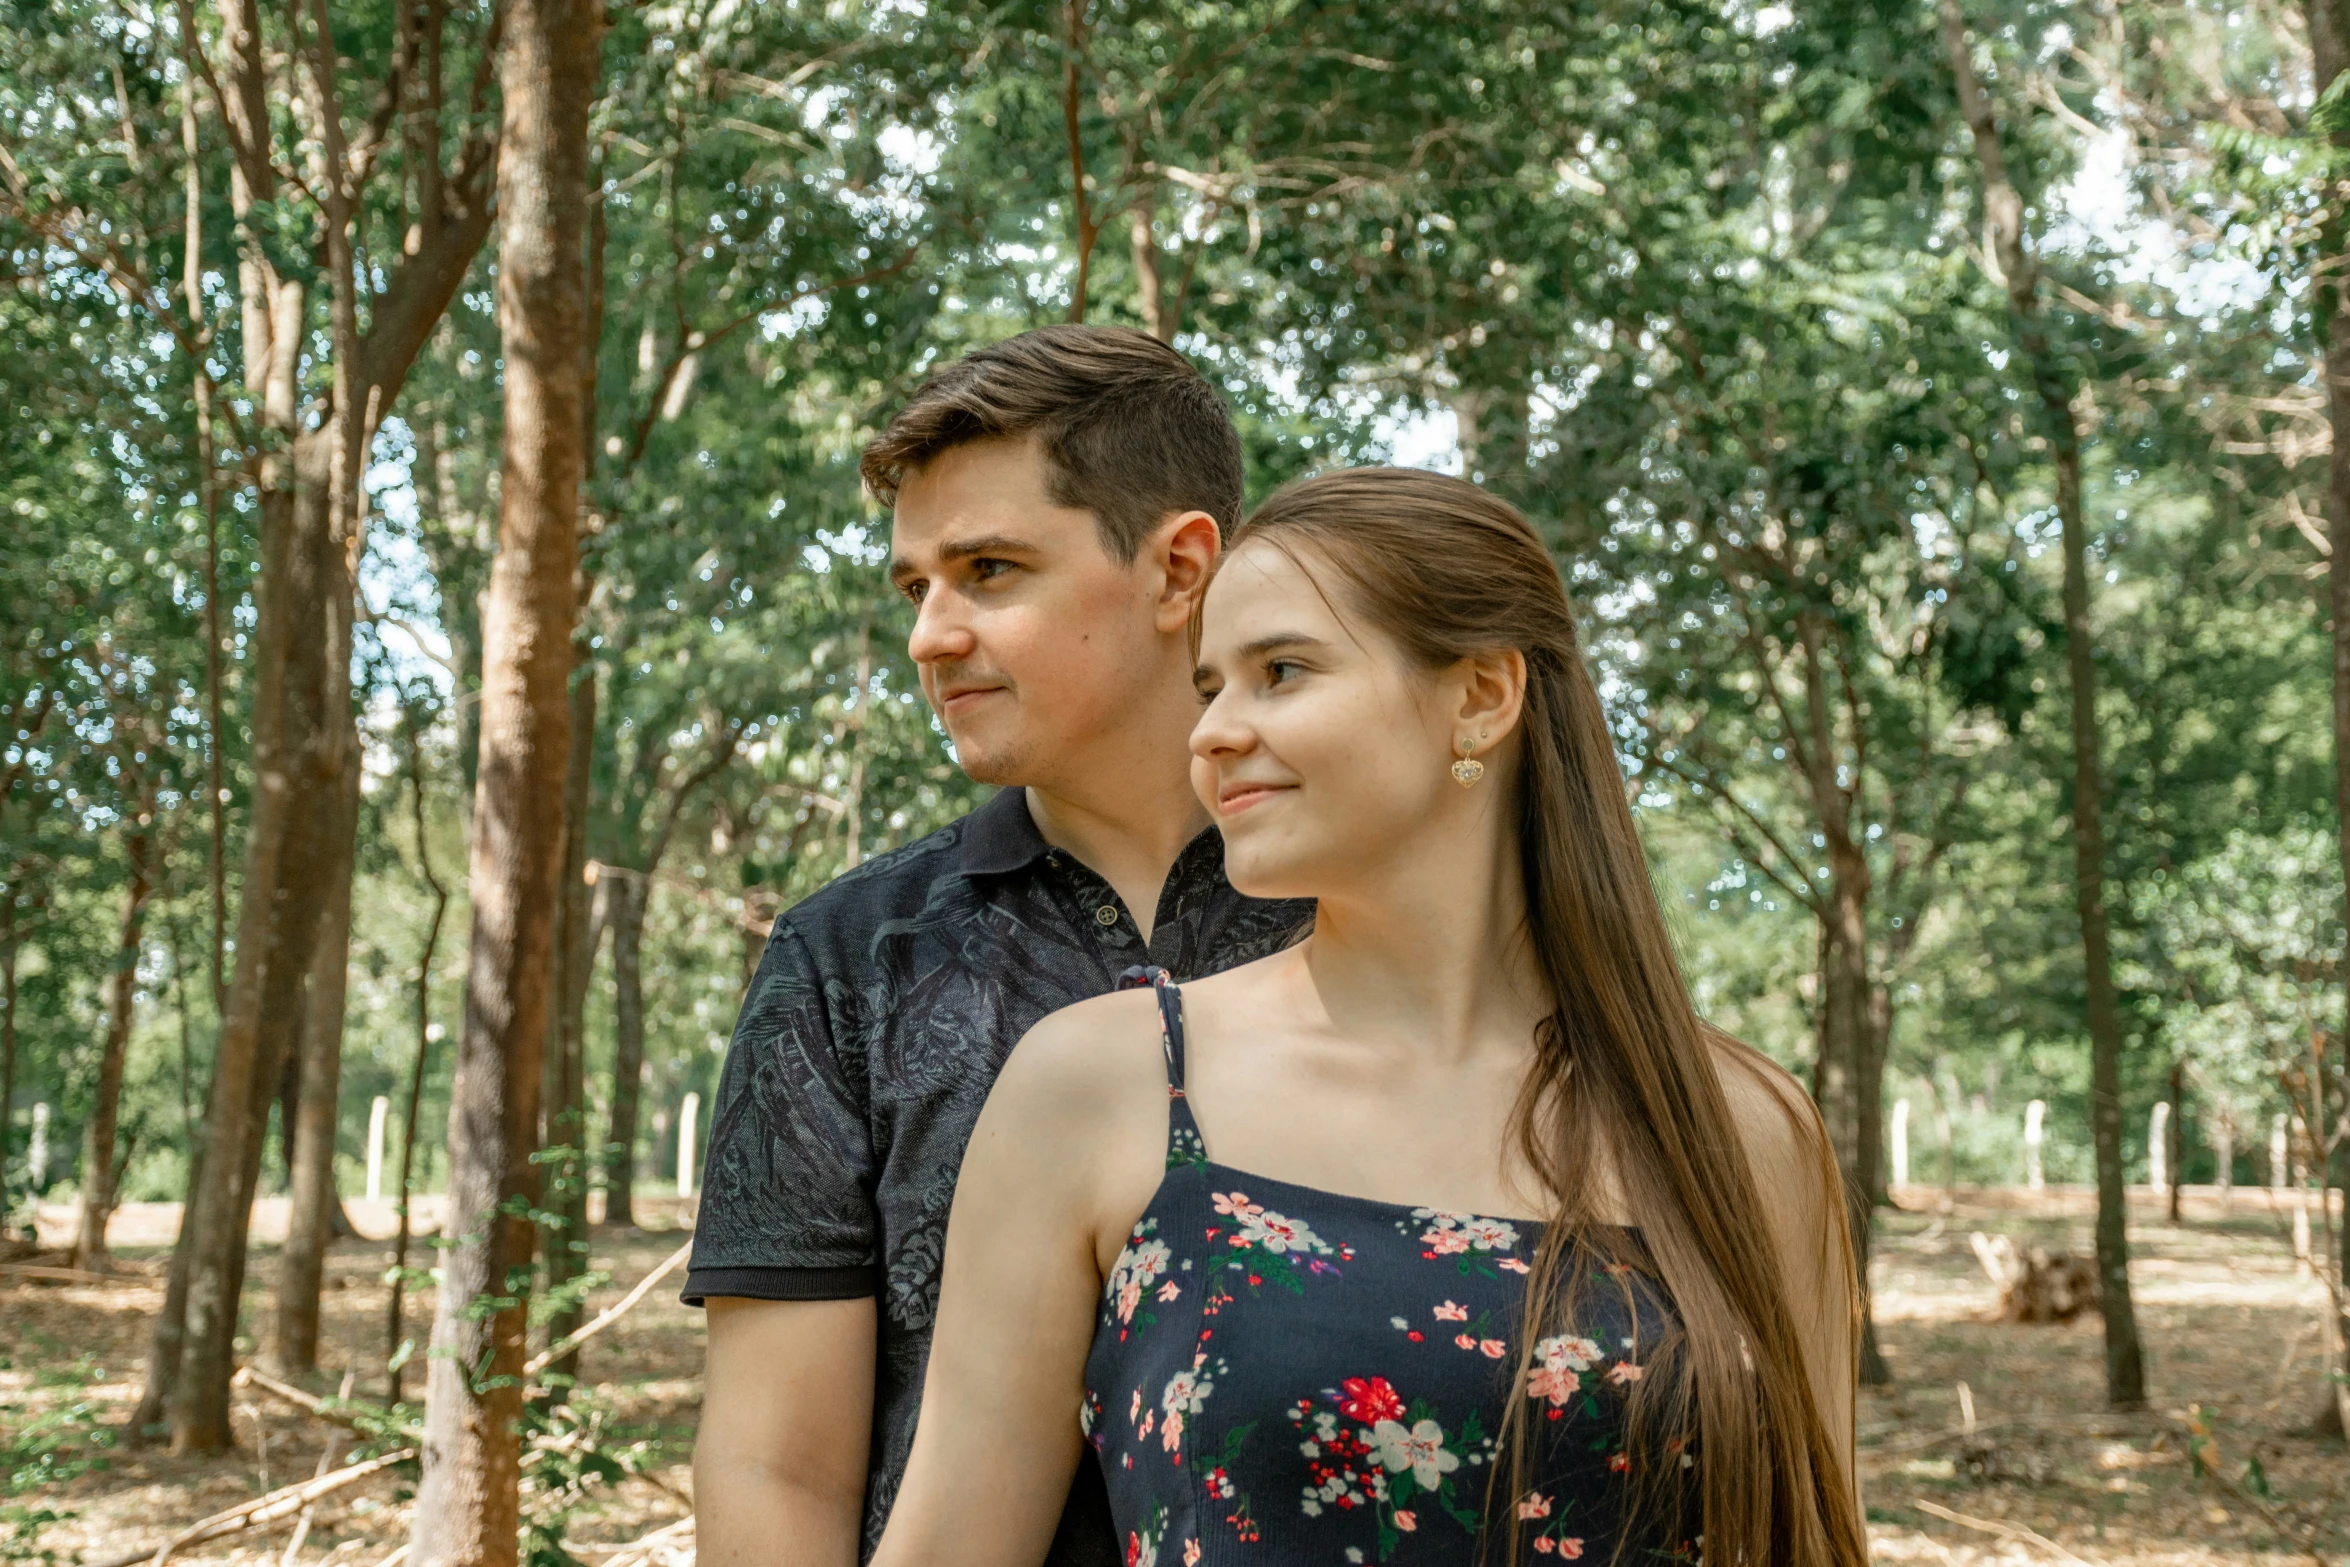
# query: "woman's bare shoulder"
{"points": [[1780, 1125], [1092, 1059]]}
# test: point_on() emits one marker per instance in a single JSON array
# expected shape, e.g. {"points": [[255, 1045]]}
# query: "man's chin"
{"points": [[988, 760]]}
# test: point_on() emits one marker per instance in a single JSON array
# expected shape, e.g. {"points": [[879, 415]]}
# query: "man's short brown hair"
{"points": [[1129, 430]]}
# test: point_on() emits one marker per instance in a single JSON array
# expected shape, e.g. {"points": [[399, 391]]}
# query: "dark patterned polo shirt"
{"points": [[880, 1015]]}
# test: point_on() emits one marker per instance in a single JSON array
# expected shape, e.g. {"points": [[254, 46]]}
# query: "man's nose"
{"points": [[941, 635]]}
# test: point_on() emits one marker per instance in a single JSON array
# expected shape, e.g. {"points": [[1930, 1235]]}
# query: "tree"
{"points": [[2003, 207], [467, 1508]]}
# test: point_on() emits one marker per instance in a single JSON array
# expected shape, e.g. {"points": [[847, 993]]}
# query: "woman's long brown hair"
{"points": [[1625, 1094]]}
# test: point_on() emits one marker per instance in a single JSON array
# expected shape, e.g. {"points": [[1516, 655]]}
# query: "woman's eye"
{"points": [[1208, 694], [986, 570], [914, 591], [1281, 671]]}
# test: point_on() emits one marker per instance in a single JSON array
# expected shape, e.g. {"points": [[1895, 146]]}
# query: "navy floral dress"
{"points": [[1287, 1375]]}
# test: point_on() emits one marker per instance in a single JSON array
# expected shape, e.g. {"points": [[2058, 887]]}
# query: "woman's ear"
{"points": [[1493, 698], [1186, 546]]}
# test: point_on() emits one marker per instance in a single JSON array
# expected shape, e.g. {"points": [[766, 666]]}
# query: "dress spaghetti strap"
{"points": [[1184, 1144]]}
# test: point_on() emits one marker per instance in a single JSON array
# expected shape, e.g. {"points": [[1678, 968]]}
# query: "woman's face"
{"points": [[1322, 751]]}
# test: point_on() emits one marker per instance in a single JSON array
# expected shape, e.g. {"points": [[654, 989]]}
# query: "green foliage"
{"points": [[1701, 287]]}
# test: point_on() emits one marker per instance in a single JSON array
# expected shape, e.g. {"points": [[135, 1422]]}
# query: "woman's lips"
{"points": [[1239, 797]]}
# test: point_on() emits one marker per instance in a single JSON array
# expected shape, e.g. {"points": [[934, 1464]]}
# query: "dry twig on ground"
{"points": [[571, 1341], [285, 1502], [2008, 1531]]}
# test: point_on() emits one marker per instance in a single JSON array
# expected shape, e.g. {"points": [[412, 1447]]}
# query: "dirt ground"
{"points": [[2231, 1328]]}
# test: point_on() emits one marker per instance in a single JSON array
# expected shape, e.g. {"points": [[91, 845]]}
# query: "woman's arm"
{"points": [[1063, 1154]]}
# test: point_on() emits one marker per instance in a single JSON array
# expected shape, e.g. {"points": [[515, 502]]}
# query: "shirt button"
{"points": [[1106, 915]]}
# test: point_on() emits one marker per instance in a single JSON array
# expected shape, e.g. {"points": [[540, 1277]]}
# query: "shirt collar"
{"points": [[1001, 837]]}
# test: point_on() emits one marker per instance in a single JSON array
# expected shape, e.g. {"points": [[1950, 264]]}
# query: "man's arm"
{"points": [[785, 1249], [787, 1424]]}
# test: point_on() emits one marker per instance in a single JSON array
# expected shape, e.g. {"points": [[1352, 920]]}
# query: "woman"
{"points": [[1448, 1235]]}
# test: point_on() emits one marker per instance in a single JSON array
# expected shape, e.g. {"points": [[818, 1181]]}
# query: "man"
{"points": [[1060, 499]]}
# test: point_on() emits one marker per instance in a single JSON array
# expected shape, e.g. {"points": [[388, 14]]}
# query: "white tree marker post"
{"points": [[2158, 1148], [2276, 1155], [375, 1147], [36, 1157], [2035, 1117], [1901, 1142], [687, 1114]]}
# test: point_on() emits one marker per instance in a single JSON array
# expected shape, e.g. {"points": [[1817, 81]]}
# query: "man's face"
{"points": [[1031, 639]]}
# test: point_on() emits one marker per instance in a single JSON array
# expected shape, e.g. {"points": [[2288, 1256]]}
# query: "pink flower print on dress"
{"points": [[1405, 1521], [1568, 1350], [1465, 1340], [1445, 1243], [1276, 1233], [1623, 1373], [1448, 1312], [1492, 1348], [1490, 1234], [1534, 1505], [1555, 1383], [1237, 1205], [1139, 1265], [1514, 1264]]}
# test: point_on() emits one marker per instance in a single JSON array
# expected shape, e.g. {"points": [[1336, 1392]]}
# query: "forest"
{"points": [[441, 626]]}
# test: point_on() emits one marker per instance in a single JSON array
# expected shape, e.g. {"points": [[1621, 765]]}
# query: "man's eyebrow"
{"points": [[901, 569]]}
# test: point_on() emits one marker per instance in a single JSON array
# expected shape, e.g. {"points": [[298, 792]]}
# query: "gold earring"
{"points": [[1468, 769]]}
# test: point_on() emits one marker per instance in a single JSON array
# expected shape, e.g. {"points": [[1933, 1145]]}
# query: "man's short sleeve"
{"points": [[787, 1209]]}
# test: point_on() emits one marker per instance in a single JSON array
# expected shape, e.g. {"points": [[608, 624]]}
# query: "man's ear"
{"points": [[1185, 547]]}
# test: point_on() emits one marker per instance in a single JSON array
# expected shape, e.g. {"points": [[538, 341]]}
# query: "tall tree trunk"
{"points": [[2003, 208], [565, 1103], [2174, 1140], [311, 1211], [198, 1323], [98, 1168], [624, 901], [7, 1034], [395, 1329], [213, 1216], [1149, 293], [2329, 50], [310, 761], [467, 1502], [1849, 1074]]}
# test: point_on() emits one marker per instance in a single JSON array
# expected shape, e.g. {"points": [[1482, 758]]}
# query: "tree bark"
{"points": [[1149, 293], [467, 1502], [98, 1168], [2329, 50], [395, 1330], [2125, 1357], [1849, 1072], [312, 1208], [187, 1372], [624, 902], [565, 1088], [286, 903], [2174, 1139], [7, 1035], [300, 696]]}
